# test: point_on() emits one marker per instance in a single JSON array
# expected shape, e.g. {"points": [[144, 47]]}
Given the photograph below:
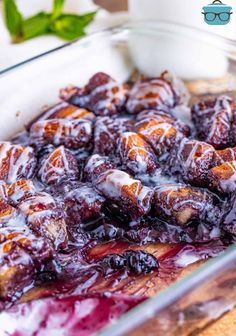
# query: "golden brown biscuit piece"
{"points": [[16, 162], [59, 165], [6, 212], [63, 110], [136, 154], [102, 95], [45, 218], [192, 160], [72, 134], [180, 204], [106, 132], [152, 93], [20, 254], [124, 194], [159, 134], [223, 178], [224, 155], [214, 121]]}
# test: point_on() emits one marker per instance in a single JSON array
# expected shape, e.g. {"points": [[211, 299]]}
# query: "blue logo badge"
{"points": [[217, 13]]}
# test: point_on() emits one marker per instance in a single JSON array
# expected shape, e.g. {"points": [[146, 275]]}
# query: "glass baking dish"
{"points": [[208, 65]]}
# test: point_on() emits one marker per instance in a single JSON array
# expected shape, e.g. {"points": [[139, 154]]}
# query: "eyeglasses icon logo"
{"points": [[217, 13]]}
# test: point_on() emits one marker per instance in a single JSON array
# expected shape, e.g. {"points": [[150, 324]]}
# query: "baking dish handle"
{"points": [[217, 1]]}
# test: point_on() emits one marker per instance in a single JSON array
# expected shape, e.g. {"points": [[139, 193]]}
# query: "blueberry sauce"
{"points": [[73, 315]]}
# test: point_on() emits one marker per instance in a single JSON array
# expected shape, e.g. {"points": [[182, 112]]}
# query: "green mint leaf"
{"points": [[66, 26], [70, 26], [36, 25], [87, 18], [57, 8], [13, 18]]}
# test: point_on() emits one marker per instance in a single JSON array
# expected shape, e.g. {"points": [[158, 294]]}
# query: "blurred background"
{"points": [[109, 13], [113, 5]]}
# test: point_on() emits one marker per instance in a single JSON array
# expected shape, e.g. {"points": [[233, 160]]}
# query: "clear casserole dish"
{"points": [[207, 64]]}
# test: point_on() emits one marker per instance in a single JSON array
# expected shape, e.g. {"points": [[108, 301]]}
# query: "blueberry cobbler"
{"points": [[107, 197]]}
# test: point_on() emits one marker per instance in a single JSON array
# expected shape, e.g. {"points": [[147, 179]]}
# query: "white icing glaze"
{"points": [[20, 161], [29, 207], [110, 128], [139, 95], [162, 128], [19, 190], [214, 120], [170, 199], [187, 258], [55, 112], [229, 185], [94, 162], [134, 152], [112, 181], [118, 96], [84, 193], [193, 160], [120, 186], [56, 166], [79, 131]]}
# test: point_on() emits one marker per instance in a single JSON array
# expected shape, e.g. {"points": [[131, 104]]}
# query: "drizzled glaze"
{"points": [[16, 162], [225, 155], [214, 121], [45, 217], [128, 192], [7, 212], [160, 134], [223, 177], [180, 204], [73, 134], [136, 154], [107, 131], [84, 225], [102, 95], [67, 111], [192, 159], [21, 253], [59, 165], [151, 94]]}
